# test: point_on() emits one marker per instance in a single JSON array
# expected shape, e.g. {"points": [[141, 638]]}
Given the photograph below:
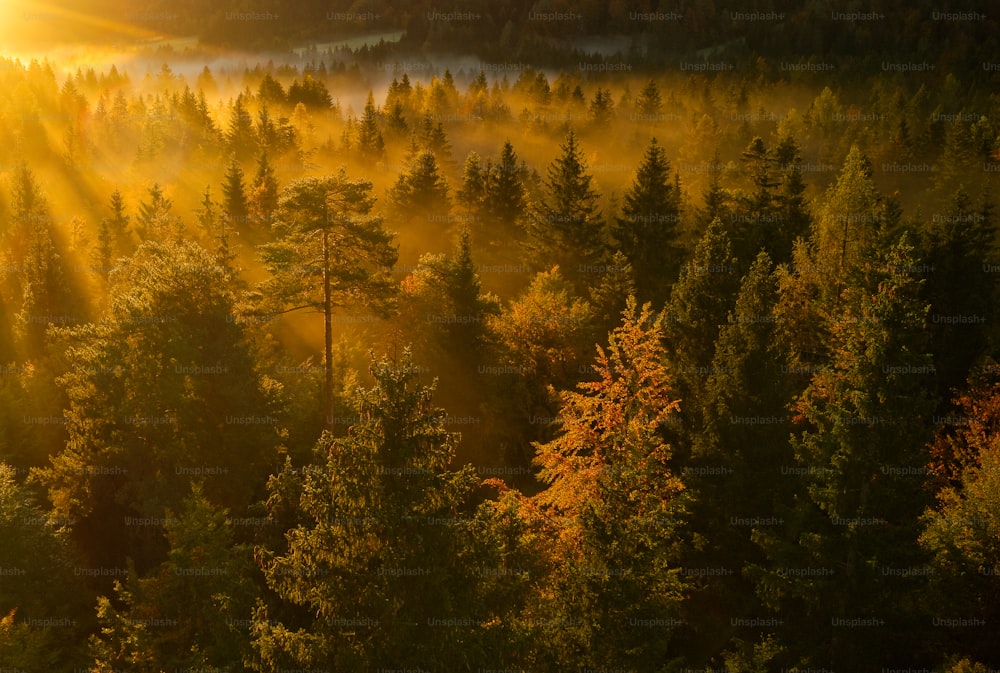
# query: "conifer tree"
{"points": [[234, 198], [331, 251], [647, 231], [565, 227]]}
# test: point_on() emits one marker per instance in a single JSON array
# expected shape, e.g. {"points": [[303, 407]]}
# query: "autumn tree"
{"points": [[612, 503]]}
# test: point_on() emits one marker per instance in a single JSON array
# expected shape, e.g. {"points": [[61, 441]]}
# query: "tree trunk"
{"points": [[327, 333]]}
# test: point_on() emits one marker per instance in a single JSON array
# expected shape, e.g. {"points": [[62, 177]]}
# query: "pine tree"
{"points": [[234, 198], [602, 108], [162, 384], [420, 193], [262, 197], [865, 424], [376, 558], [649, 103], [331, 251], [699, 303], [240, 136], [647, 231], [154, 221], [739, 457], [850, 220], [119, 224], [505, 196], [370, 142], [473, 185], [566, 227]]}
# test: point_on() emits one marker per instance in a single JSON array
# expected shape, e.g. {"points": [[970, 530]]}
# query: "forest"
{"points": [[615, 337]]}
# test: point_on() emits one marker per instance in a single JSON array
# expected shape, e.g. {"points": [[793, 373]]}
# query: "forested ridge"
{"points": [[380, 358]]}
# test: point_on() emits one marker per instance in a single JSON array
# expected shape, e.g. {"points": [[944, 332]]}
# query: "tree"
{"points": [[958, 250], [650, 103], [647, 231], [234, 198], [118, 224], [612, 502], [850, 219], [331, 251], [240, 136], [49, 297], [262, 197], [377, 561], [566, 227], [735, 471], [602, 108], [420, 193], [473, 185], [40, 598], [188, 613], [154, 221], [957, 527], [162, 388], [370, 141], [698, 306], [504, 192], [864, 428]]}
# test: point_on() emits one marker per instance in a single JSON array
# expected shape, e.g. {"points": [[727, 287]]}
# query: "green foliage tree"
{"points": [[234, 197], [162, 388], [370, 142], [264, 192], [647, 231], [379, 560], [189, 612], [331, 251], [42, 602], [420, 194], [565, 227], [864, 419]]}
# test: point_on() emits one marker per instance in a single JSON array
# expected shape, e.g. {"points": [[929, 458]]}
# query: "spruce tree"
{"points": [[647, 231], [565, 227]]}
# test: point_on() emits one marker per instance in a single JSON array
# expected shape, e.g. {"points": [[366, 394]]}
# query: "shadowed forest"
{"points": [[510, 337]]}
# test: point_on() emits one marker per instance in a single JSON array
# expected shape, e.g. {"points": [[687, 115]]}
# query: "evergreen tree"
{"points": [[865, 426], [119, 224], [240, 135], [420, 193], [566, 227], [377, 561], [37, 586], [331, 251], [698, 306], [473, 185], [370, 141], [505, 195], [154, 221], [200, 596], [647, 231], [262, 197], [234, 198], [650, 103], [161, 387]]}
